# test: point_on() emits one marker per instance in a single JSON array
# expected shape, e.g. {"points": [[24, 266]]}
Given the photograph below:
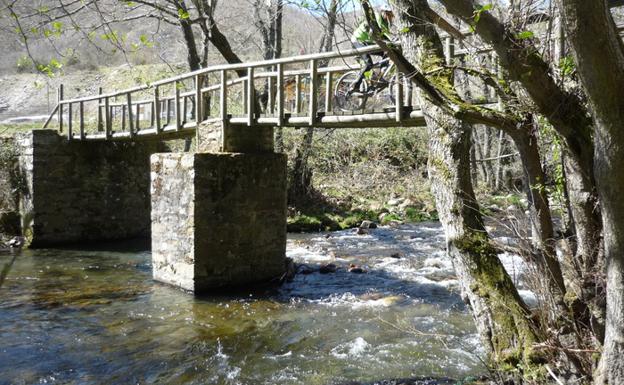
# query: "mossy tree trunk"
{"points": [[570, 118], [599, 56], [501, 317]]}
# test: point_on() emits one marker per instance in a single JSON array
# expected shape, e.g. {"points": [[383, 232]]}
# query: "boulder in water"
{"points": [[368, 225], [328, 268], [353, 268]]}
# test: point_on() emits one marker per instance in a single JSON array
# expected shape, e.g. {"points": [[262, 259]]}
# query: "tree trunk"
{"points": [[541, 220], [301, 175], [599, 56], [565, 111], [193, 58], [501, 317]]}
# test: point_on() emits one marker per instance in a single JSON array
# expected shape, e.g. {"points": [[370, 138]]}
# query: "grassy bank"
{"points": [[376, 174]]}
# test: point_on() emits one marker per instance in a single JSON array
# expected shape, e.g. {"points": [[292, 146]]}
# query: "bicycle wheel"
{"points": [[345, 97]]}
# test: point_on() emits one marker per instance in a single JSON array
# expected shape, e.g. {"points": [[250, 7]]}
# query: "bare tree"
{"points": [[301, 175], [599, 56]]}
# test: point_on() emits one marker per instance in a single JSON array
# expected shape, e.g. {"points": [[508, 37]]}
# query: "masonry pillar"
{"points": [[219, 219], [76, 191]]}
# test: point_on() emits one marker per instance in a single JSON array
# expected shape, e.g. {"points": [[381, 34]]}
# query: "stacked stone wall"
{"points": [[76, 191], [218, 220]]}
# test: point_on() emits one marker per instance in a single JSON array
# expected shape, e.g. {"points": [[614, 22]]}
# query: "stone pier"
{"points": [[70, 191], [219, 219]]}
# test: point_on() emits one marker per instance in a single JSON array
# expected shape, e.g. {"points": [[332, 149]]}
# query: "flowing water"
{"points": [[96, 317]]}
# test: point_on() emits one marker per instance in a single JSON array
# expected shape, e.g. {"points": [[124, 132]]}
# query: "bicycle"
{"points": [[348, 98]]}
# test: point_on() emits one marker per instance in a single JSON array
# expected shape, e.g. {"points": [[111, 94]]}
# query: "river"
{"points": [[76, 316]]}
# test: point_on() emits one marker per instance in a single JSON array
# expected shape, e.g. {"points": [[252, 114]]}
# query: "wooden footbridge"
{"points": [[296, 92]]}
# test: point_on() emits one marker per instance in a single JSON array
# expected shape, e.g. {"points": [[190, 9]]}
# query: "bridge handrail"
{"points": [[302, 79], [231, 67]]}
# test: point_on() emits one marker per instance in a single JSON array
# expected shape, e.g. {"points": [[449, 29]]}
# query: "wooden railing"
{"points": [[299, 92]]}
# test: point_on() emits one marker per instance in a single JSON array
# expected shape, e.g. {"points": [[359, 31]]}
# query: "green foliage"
{"points": [[476, 16], [50, 69], [24, 64], [145, 41], [183, 15], [524, 35], [566, 66]]}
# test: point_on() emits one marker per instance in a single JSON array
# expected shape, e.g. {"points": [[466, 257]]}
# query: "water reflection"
{"points": [[95, 317]]}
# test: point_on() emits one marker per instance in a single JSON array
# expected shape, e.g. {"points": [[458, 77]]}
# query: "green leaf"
{"points": [[404, 30], [182, 14], [525, 35], [145, 41], [567, 66]]}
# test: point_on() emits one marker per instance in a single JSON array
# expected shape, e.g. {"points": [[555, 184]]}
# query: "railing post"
{"points": [[177, 105], [271, 96], [100, 125], [123, 118], [81, 114], [185, 100], [328, 92], [224, 107], [398, 97], [280, 95], [137, 118], [313, 92], [223, 97], [157, 110], [297, 94], [450, 49], [60, 104], [168, 107], [130, 118], [251, 97], [107, 118], [245, 95], [199, 100], [69, 122]]}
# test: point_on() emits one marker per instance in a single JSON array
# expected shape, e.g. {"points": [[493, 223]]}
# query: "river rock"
{"points": [[16, 242], [395, 202], [328, 268], [355, 269], [396, 255], [368, 225], [371, 296], [304, 269], [361, 231], [391, 300]]}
